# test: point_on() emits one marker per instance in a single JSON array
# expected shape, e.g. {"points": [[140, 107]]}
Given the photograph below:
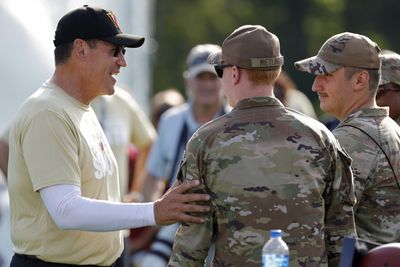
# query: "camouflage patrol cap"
{"points": [[342, 50], [249, 47], [390, 67]]}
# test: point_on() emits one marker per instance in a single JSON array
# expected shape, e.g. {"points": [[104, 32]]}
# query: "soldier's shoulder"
{"points": [[306, 122]]}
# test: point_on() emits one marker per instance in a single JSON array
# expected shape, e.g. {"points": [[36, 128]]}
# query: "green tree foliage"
{"points": [[301, 25]]}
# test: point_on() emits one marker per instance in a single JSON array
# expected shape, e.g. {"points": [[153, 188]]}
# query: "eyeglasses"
{"points": [[389, 87], [119, 49], [386, 88], [219, 69]]}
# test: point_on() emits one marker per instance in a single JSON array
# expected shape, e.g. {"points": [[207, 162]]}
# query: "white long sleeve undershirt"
{"points": [[70, 211]]}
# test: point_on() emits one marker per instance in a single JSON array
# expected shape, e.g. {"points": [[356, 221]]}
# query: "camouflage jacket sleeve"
{"points": [[364, 154], [192, 241], [339, 206]]}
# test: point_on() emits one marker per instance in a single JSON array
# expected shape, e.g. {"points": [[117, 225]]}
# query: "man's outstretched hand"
{"points": [[175, 205]]}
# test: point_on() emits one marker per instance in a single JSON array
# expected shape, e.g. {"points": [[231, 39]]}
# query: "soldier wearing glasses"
{"points": [[265, 167], [389, 86]]}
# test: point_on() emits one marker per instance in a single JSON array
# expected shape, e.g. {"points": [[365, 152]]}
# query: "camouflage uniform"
{"points": [[267, 167], [390, 74], [377, 212]]}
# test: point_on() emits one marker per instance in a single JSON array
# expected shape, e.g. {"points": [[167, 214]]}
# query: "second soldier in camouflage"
{"points": [[346, 82]]}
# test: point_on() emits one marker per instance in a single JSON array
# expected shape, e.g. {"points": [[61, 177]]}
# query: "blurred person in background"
{"points": [[3, 192], [3, 182], [124, 123], [62, 175], [389, 86], [347, 71], [3, 176], [286, 91], [266, 167], [164, 100], [130, 134], [141, 238], [175, 128], [4, 152]]}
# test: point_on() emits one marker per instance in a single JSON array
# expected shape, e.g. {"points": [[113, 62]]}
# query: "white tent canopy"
{"points": [[24, 66], [26, 55], [27, 47]]}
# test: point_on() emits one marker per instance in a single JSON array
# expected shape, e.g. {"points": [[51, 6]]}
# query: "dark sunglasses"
{"points": [[219, 69], [382, 89], [118, 50], [389, 87]]}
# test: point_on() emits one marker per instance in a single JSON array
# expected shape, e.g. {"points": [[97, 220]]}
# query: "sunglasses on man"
{"points": [[219, 69], [119, 49], [386, 88]]}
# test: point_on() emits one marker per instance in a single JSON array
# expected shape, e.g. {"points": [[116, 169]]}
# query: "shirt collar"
{"points": [[258, 102], [368, 112]]}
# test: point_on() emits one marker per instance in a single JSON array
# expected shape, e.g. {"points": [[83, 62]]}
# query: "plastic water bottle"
{"points": [[275, 252]]}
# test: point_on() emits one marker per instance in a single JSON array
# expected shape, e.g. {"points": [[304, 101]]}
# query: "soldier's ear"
{"points": [[236, 72], [361, 80]]}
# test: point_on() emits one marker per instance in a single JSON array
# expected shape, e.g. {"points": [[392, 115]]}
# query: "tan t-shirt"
{"points": [[123, 123], [58, 140]]}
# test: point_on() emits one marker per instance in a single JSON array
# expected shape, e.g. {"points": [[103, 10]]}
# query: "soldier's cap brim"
{"points": [[316, 65], [200, 68], [383, 81]]}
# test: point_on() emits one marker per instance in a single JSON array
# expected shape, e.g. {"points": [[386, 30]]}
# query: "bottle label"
{"points": [[275, 260]]}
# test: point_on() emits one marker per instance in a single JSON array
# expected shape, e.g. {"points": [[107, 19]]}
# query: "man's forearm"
{"points": [[69, 210]]}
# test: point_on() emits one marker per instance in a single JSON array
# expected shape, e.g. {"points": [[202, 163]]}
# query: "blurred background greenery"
{"points": [[301, 25]]}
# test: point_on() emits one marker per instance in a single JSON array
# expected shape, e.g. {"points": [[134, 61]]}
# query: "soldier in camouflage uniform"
{"points": [[347, 70], [265, 167], [389, 85]]}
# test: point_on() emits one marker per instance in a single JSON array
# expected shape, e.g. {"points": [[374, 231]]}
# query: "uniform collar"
{"points": [[258, 102], [370, 112]]}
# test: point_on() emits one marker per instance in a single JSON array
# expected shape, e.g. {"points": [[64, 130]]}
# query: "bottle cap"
{"points": [[275, 233]]}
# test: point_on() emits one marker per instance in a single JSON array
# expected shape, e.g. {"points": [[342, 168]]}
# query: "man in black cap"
{"points": [[63, 177]]}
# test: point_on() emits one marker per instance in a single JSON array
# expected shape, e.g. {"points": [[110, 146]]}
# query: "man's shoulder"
{"points": [[171, 124], [49, 99], [350, 135], [175, 113], [214, 126], [305, 119], [306, 123], [39, 101], [359, 126], [358, 135]]}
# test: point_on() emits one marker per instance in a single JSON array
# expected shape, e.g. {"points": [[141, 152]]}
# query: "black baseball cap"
{"points": [[93, 23]]}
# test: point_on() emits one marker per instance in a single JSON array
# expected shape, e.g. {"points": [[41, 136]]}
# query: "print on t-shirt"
{"points": [[102, 162]]}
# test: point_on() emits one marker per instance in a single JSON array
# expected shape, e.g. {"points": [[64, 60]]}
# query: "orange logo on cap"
{"points": [[113, 19]]}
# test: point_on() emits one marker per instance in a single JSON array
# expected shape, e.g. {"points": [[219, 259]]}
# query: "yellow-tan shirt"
{"points": [[58, 140], [123, 122]]}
